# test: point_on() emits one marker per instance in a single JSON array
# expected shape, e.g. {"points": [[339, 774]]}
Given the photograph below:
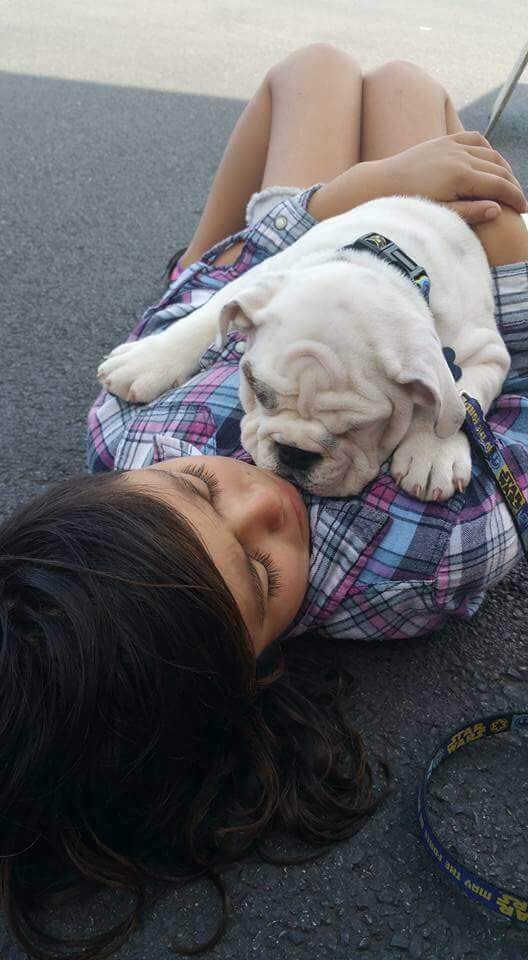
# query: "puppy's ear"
{"points": [[241, 313], [431, 384]]}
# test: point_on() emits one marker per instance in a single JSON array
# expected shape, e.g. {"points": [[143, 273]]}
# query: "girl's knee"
{"points": [[315, 58], [403, 75]]}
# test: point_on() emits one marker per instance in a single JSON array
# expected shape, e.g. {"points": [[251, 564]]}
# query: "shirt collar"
{"points": [[165, 446]]}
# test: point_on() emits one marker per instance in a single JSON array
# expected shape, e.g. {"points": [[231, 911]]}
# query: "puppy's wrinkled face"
{"points": [[326, 391], [329, 452]]}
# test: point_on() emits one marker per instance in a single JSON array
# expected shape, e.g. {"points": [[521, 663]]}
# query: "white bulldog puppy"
{"points": [[343, 364]]}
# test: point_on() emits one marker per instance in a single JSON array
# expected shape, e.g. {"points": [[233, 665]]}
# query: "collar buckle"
{"points": [[387, 250]]}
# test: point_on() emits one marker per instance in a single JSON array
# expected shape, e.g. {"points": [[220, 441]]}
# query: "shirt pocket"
{"points": [[343, 536], [191, 422], [342, 530], [357, 527], [413, 545]]}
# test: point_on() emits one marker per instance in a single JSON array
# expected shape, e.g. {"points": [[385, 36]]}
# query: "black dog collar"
{"points": [[388, 250]]}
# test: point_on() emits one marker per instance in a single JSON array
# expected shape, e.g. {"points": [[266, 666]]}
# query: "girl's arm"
{"points": [[506, 239], [460, 169], [362, 182]]}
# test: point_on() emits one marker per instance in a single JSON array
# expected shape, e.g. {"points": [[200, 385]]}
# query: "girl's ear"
{"points": [[241, 313]]}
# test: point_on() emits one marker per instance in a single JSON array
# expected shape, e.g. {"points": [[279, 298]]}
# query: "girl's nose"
{"points": [[259, 509]]}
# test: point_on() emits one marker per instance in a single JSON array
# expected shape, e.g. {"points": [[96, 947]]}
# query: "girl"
{"points": [[152, 724]]}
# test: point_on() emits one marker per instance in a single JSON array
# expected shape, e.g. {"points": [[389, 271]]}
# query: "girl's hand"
{"points": [[461, 170]]}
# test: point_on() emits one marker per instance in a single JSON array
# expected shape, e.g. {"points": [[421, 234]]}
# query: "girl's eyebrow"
{"points": [[184, 483]]}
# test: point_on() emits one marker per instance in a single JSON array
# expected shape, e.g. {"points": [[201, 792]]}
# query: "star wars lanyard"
{"points": [[478, 430], [482, 438], [509, 905]]}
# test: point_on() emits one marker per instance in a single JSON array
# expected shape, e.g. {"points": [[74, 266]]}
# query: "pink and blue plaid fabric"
{"points": [[383, 564]]}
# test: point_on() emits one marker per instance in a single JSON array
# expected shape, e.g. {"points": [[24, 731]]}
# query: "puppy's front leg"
{"points": [[484, 381], [142, 370], [430, 467]]}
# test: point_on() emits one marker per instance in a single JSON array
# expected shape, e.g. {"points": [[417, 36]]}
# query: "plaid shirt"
{"points": [[383, 564]]}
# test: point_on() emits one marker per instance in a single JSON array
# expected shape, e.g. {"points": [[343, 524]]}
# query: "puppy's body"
{"points": [[343, 362]]}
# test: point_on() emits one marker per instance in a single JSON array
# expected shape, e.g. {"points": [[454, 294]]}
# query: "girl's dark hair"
{"points": [[136, 725]]}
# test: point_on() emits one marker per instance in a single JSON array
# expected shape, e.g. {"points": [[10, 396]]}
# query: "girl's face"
{"points": [[254, 526]]}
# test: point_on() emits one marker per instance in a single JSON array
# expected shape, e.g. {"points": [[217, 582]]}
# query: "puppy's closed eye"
{"points": [[264, 393]]}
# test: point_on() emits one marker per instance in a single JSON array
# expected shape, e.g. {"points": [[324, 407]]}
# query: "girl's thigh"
{"points": [[403, 106], [315, 118], [302, 126]]}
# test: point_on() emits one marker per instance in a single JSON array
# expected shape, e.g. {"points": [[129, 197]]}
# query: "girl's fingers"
{"points": [[484, 153], [470, 137], [486, 166], [475, 211], [480, 185], [475, 141]]}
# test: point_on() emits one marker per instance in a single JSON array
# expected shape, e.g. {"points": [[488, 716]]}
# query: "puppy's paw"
{"points": [[430, 468], [142, 370]]}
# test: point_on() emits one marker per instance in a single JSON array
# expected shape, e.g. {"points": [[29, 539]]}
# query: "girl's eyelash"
{"points": [[274, 580], [208, 478]]}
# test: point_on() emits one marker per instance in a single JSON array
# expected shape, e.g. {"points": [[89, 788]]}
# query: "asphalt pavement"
{"points": [[114, 117]]}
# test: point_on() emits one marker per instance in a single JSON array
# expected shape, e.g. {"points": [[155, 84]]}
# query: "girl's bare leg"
{"points": [[238, 176], [302, 126], [402, 106]]}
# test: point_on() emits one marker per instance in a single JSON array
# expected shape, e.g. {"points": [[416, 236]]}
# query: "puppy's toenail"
{"points": [[437, 493], [416, 490]]}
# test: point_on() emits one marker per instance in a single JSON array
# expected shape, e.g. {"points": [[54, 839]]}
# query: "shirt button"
{"points": [[281, 222], [240, 346]]}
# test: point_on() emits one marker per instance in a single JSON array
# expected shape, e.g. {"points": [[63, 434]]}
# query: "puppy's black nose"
{"points": [[296, 459]]}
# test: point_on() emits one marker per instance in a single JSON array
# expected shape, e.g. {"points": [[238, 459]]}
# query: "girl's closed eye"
{"points": [[274, 580], [213, 486], [206, 477]]}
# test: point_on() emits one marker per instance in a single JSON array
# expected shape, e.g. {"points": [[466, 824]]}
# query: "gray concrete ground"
{"points": [[114, 118]]}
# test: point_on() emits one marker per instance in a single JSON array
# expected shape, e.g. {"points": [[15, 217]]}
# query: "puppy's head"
{"points": [[337, 356]]}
